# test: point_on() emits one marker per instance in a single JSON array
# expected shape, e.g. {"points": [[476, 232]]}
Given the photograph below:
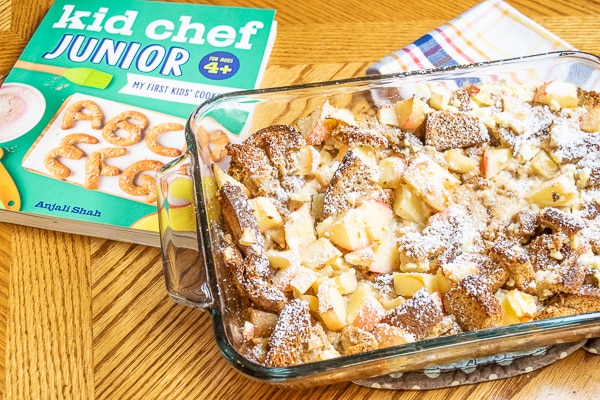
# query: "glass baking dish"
{"points": [[189, 217]]}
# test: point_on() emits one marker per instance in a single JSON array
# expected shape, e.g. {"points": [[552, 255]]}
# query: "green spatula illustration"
{"points": [[81, 75]]}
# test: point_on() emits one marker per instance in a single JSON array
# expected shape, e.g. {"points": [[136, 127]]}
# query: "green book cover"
{"points": [[98, 101]]}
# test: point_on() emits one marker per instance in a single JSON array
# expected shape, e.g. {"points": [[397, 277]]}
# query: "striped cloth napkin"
{"points": [[491, 30]]}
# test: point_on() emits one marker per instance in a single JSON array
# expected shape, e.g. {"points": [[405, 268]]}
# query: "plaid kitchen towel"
{"points": [[491, 30]]}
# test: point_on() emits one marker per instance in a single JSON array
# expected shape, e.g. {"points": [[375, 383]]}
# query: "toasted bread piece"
{"points": [[419, 315], [282, 143], [290, 336], [246, 271], [524, 225], [238, 217], [446, 130], [251, 166], [516, 261], [269, 162], [587, 98], [554, 312], [556, 265], [352, 135], [561, 221], [355, 340], [586, 299], [352, 181], [473, 304]]}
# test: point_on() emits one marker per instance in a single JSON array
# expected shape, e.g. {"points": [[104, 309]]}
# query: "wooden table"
{"points": [[86, 318]]}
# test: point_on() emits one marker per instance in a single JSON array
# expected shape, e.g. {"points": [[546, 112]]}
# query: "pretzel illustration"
{"points": [[55, 167], [83, 110], [74, 138], [147, 183], [215, 143], [154, 145], [96, 166], [132, 122]]}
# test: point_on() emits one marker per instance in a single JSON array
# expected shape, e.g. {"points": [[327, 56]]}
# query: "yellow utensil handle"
{"points": [[51, 69], [9, 194]]}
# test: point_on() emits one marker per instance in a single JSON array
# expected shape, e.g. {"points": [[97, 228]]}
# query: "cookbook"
{"points": [[98, 101]]}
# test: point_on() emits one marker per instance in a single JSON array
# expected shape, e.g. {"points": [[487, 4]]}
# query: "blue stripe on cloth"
{"points": [[579, 74], [438, 57], [434, 52]]}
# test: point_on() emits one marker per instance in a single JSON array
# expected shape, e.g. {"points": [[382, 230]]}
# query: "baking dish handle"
{"points": [[183, 263]]}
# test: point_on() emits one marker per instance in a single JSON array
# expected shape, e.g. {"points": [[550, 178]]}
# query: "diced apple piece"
{"points": [[527, 152], [276, 234], [408, 283], [430, 181], [448, 274], [444, 284], [459, 162], [282, 278], [302, 281], [440, 98], [358, 227], [409, 206], [346, 282], [494, 160], [409, 264], [221, 177], [362, 257], [456, 271], [367, 156], [264, 322], [364, 310], [590, 121], [377, 217], [313, 302], [308, 161], [248, 237], [318, 126], [306, 193], [318, 253], [391, 169], [282, 259], [299, 228], [543, 165], [248, 331], [325, 172], [386, 254], [389, 335], [410, 113], [346, 230], [557, 192], [557, 95], [265, 212], [387, 115], [391, 303], [332, 307], [517, 306]]}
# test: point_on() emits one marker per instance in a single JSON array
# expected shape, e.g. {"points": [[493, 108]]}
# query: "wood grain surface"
{"points": [[86, 318]]}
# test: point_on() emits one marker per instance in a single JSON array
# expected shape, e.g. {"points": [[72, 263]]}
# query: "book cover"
{"points": [[98, 102]]}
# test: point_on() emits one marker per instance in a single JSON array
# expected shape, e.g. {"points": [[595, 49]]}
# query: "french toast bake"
{"points": [[445, 212]]}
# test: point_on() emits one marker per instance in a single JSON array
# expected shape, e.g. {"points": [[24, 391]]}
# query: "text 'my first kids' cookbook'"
{"points": [[98, 101]]}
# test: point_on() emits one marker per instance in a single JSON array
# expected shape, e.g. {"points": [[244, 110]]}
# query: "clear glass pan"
{"points": [[196, 276]]}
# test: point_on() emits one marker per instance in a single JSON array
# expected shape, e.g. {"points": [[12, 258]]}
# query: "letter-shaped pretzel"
{"points": [[83, 110], [55, 167], [147, 183], [132, 122], [95, 165], [152, 139]]}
